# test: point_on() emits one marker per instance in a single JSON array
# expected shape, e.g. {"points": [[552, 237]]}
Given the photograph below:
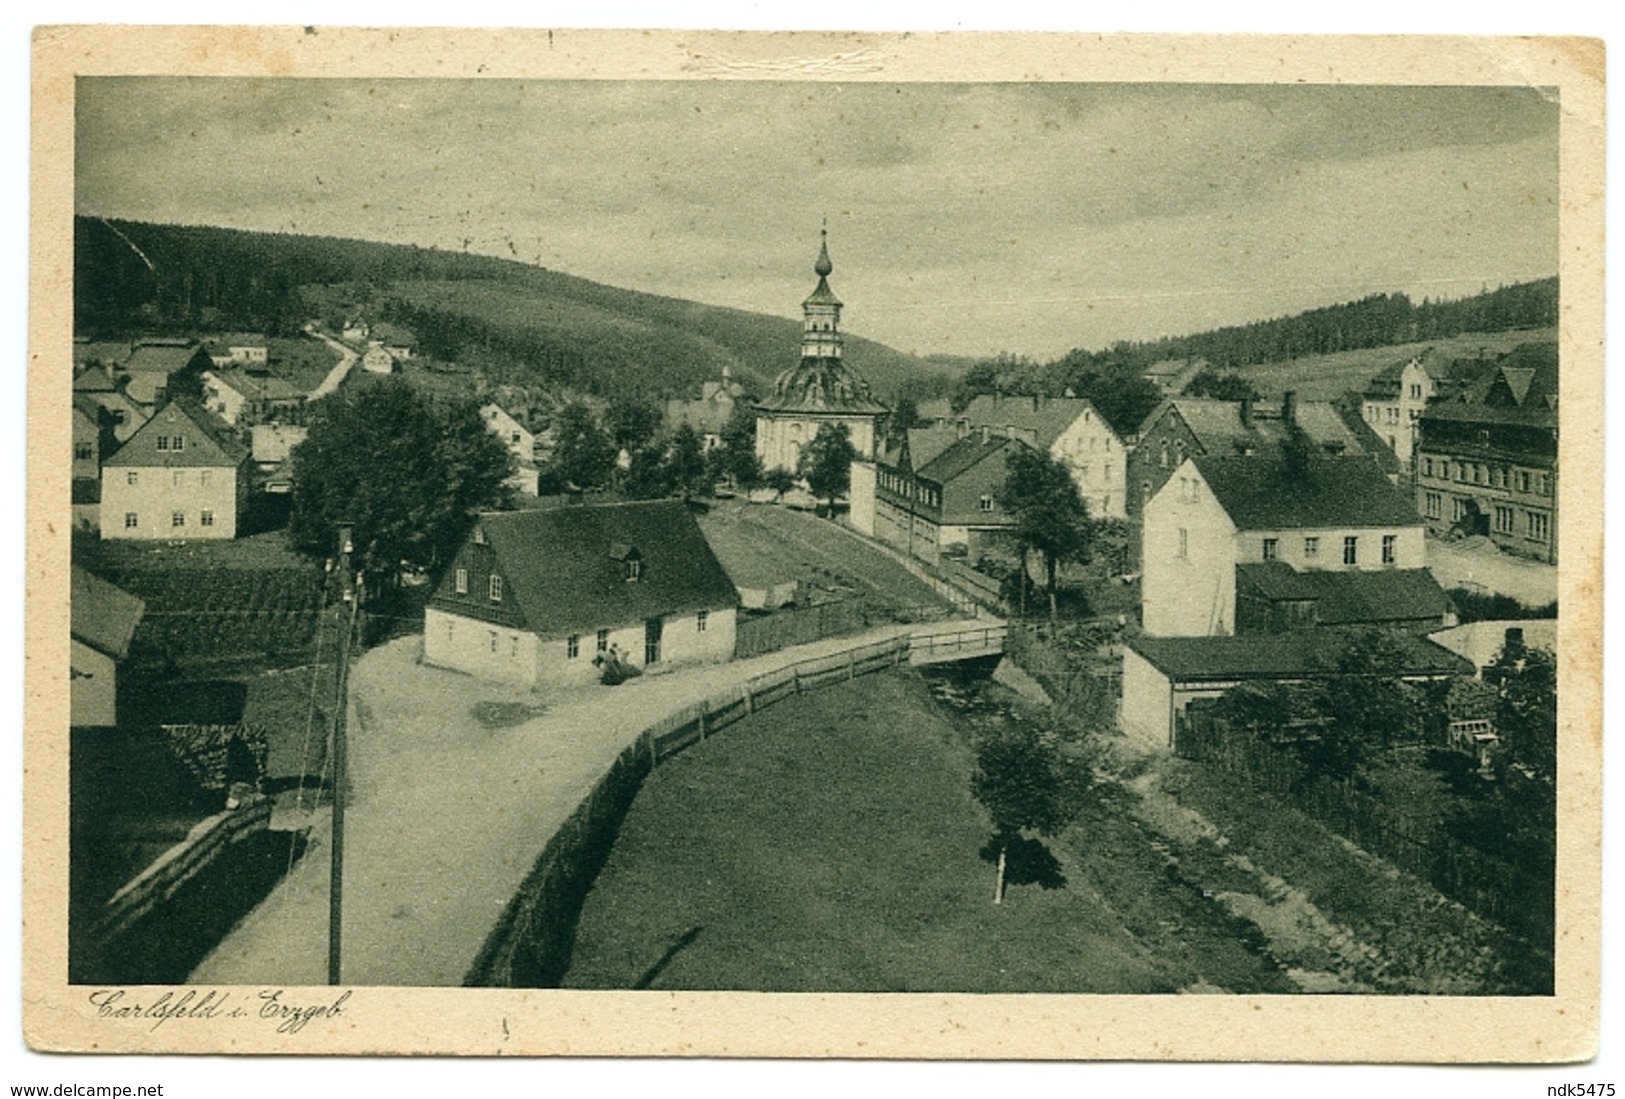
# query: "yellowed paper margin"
{"points": [[475, 1021]]}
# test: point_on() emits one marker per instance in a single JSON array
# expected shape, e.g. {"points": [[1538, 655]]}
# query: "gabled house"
{"points": [[1068, 429], [159, 369], [1163, 675], [942, 502], [520, 443], [180, 476], [102, 620], [95, 383], [1394, 400], [1186, 427], [1486, 458], [1216, 518], [377, 359], [250, 397], [710, 413], [534, 597]]}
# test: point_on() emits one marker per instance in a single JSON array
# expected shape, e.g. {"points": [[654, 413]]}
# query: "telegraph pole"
{"points": [[347, 613]]}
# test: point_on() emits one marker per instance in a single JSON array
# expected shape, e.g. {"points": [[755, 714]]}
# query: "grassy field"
{"points": [[760, 545], [832, 844], [1327, 377]]}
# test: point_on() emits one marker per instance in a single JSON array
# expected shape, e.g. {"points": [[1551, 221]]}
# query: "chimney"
{"points": [[1289, 408], [1247, 413]]}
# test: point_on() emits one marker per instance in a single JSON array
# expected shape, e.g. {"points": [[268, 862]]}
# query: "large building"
{"points": [[1069, 430], [1486, 459], [936, 493], [1246, 544], [179, 477], [533, 597], [820, 389]]}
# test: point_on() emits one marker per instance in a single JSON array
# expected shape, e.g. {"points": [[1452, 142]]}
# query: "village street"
{"points": [[336, 376], [1477, 564], [448, 816]]}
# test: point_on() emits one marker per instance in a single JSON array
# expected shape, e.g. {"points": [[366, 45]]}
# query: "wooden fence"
{"points": [[756, 635], [178, 865]]}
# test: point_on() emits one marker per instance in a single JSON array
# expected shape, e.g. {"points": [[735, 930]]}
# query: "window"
{"points": [[177, 519], [131, 477], [1311, 546], [1427, 467], [1351, 550], [699, 620], [177, 478], [572, 646], [1539, 526], [1503, 519], [1165, 454], [163, 442], [461, 582], [493, 641], [1544, 484], [603, 641], [496, 588], [479, 536], [1187, 488], [206, 519], [131, 520], [1416, 391], [1523, 480], [986, 502], [1184, 542], [1272, 548], [203, 477], [177, 442], [1390, 548], [1434, 505], [83, 452], [634, 568]]}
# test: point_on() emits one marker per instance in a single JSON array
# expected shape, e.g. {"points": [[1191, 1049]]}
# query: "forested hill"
{"points": [[1375, 321], [523, 324]]}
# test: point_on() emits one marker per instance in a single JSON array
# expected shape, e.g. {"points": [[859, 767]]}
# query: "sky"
{"points": [[963, 218]]}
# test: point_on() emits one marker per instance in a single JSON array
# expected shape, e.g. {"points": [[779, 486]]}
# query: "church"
{"points": [[820, 389]]}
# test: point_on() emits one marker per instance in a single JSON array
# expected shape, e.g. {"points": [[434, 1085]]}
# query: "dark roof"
{"points": [[963, 454], [1368, 442], [1519, 388], [162, 356], [1384, 386], [1351, 596], [93, 379], [823, 385], [1044, 417], [209, 443], [1271, 493], [1300, 654], [822, 294], [101, 615], [263, 387], [561, 567]]}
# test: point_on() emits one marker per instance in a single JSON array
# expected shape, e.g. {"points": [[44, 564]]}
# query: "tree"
{"points": [[1050, 517], [780, 480], [583, 452], [1221, 386], [648, 474], [736, 458], [827, 462], [406, 475], [1023, 782], [1525, 681], [631, 422], [685, 460], [1366, 705]]}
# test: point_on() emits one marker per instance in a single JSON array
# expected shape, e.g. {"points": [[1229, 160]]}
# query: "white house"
{"points": [[1215, 517], [180, 476], [1394, 400], [520, 443], [1071, 431], [377, 359], [102, 620], [533, 597]]}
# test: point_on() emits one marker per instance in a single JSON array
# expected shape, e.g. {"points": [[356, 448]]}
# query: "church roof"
{"points": [[822, 385]]}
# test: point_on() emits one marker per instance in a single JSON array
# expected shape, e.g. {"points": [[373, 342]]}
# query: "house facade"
{"points": [[1317, 515], [1069, 430], [708, 415], [102, 621], [946, 505], [519, 440], [1394, 401], [250, 397], [820, 389], [179, 477], [534, 597], [377, 359], [1486, 459]]}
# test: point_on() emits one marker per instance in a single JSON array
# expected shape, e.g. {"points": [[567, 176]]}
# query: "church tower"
{"points": [[820, 388]]}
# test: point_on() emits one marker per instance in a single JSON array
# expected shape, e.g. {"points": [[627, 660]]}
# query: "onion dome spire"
{"points": [[823, 267]]}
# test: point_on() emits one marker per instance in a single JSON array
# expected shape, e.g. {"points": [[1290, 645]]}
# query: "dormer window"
{"points": [[479, 536], [630, 560]]}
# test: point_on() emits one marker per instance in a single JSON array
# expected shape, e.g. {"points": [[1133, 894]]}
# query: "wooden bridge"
{"points": [[948, 642]]}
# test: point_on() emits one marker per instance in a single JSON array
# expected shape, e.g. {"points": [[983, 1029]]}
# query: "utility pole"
{"points": [[347, 612]]}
